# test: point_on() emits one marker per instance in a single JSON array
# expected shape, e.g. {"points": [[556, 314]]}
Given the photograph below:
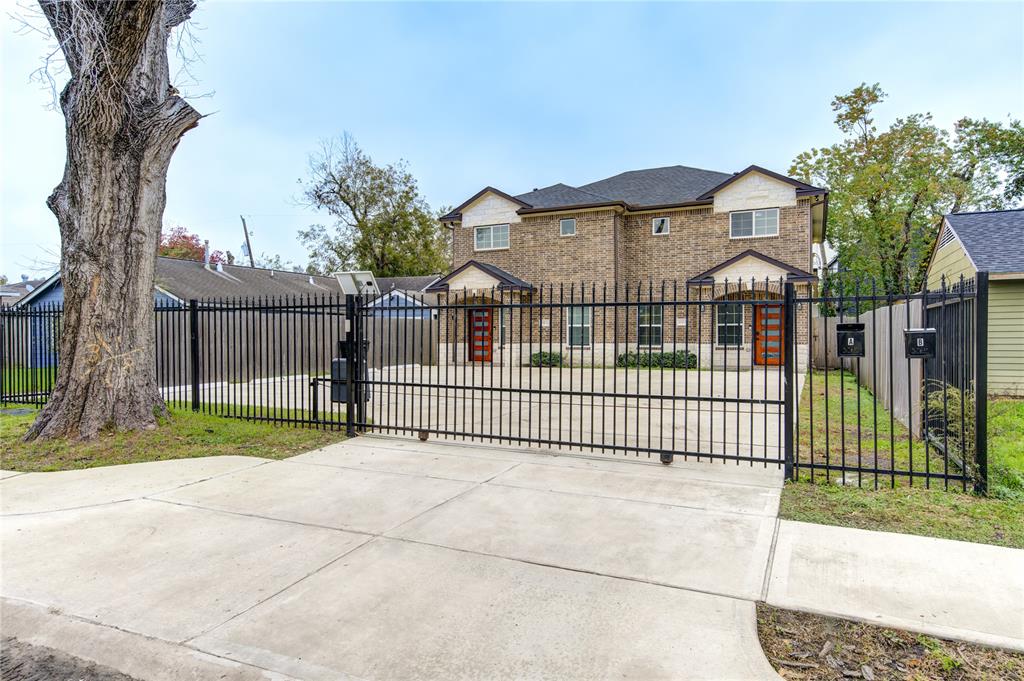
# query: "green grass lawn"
{"points": [[21, 380], [954, 514], [850, 428], [185, 434]]}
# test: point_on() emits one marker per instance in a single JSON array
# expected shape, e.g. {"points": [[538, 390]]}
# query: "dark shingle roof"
{"points": [[994, 239], [636, 189], [559, 195], [187, 279], [405, 283], [658, 186], [15, 291]]}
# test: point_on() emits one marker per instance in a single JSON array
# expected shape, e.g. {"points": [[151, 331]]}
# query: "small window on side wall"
{"points": [[660, 226], [567, 227]]}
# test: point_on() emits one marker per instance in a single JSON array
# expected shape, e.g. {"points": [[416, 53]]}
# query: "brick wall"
{"points": [[538, 254], [698, 240]]}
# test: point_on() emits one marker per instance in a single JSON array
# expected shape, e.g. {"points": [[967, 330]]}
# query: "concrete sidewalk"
{"points": [[329, 566], [951, 589], [391, 558]]}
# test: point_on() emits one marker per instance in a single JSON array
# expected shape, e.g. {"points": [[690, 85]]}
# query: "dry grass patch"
{"points": [[805, 646]]}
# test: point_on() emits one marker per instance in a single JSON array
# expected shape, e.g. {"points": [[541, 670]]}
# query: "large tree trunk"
{"points": [[123, 122]]}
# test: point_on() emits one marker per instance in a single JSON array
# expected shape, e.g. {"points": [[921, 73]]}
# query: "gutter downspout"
{"points": [[615, 248]]}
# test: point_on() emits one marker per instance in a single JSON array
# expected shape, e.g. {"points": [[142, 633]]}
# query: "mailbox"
{"points": [[850, 340], [920, 343]]}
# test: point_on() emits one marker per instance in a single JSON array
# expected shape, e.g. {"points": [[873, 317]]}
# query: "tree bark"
{"points": [[123, 121]]}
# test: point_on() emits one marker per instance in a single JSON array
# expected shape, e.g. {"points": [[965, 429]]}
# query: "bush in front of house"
{"points": [[680, 359], [546, 359]]}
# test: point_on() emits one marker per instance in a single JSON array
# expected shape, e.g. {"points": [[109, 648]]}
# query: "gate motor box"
{"points": [[339, 379], [920, 343], [850, 340]]}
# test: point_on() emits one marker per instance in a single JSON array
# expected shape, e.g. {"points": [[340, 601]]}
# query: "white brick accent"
{"points": [[755, 190]]}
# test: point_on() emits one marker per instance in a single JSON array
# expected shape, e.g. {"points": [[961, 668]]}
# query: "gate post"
{"points": [[789, 375], [350, 365], [981, 383], [193, 323], [362, 363]]}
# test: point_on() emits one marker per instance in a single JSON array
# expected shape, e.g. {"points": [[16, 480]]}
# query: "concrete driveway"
{"points": [[389, 559]]}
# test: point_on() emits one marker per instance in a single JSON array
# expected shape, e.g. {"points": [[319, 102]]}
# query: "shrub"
{"points": [[680, 359], [546, 359]]}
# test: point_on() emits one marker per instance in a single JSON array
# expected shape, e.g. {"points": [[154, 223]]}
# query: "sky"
{"points": [[514, 96]]}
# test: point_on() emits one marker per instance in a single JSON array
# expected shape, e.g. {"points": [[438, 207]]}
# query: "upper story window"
{"points": [[567, 227], [491, 237], [660, 225], [751, 223]]}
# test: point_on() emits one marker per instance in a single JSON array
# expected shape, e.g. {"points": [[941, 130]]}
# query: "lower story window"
{"points": [[579, 326], [648, 330], [729, 325]]}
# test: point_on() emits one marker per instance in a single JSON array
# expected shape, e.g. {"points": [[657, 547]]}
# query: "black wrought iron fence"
{"points": [[264, 359], [905, 403], [29, 352], [747, 372]]}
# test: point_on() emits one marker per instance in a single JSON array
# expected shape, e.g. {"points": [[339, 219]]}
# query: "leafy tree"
{"points": [[890, 188], [382, 223], [178, 243], [275, 262]]}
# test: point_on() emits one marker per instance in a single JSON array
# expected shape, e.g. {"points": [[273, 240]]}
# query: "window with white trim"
{"points": [[579, 325], [661, 226], [491, 237], [729, 323], [648, 330], [567, 227], [751, 223]]}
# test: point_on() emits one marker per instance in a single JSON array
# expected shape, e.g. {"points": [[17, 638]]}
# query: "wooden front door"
{"points": [[481, 341], [768, 341]]}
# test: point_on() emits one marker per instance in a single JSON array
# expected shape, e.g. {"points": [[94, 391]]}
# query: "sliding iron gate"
{"points": [[706, 370], [663, 370]]}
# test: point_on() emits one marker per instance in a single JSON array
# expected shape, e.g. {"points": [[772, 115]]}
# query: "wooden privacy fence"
{"points": [[397, 341]]}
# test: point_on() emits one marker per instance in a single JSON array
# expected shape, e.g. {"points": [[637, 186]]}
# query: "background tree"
{"points": [[890, 188], [123, 121], [179, 243], [382, 224], [275, 262]]}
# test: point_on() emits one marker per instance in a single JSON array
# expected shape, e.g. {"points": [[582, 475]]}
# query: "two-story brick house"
{"points": [[716, 235]]}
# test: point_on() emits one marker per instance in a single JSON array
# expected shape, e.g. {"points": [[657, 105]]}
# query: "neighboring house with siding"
{"points": [[176, 282], [991, 241], [695, 229], [180, 280], [10, 294]]}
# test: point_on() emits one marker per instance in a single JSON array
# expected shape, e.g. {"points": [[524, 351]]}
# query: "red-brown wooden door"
{"points": [[481, 341], [769, 347]]}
